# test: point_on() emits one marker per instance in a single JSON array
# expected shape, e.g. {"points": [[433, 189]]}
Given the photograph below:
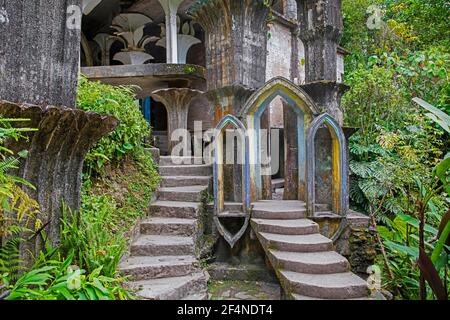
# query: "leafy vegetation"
{"points": [[399, 51], [129, 136], [118, 181]]}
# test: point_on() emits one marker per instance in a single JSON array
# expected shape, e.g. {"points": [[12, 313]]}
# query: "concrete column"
{"points": [[321, 29], [266, 179], [40, 50], [291, 187], [176, 101], [171, 8], [235, 41], [290, 9]]}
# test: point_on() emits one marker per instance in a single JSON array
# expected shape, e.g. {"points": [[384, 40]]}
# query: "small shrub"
{"points": [[131, 132]]}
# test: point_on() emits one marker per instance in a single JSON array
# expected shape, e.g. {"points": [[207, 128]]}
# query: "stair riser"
{"points": [[174, 229], [167, 182], [309, 268], [297, 247], [285, 230], [176, 161], [159, 250], [146, 273], [180, 196], [173, 212], [278, 215], [325, 293], [185, 171]]}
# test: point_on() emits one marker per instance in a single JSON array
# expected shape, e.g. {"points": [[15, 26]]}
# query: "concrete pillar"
{"points": [[236, 47], [40, 47], [170, 9], [235, 41], [321, 29], [290, 9], [291, 187], [176, 101], [266, 178]]}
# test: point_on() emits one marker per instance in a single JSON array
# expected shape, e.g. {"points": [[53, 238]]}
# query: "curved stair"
{"points": [[162, 262], [303, 259]]}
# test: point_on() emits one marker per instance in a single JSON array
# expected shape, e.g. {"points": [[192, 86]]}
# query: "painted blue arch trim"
{"points": [[338, 133]]}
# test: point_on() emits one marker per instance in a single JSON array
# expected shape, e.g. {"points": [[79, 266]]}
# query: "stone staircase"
{"points": [[162, 262], [303, 259]]}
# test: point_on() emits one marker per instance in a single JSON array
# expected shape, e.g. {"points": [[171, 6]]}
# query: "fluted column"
{"points": [[55, 155], [176, 101], [40, 45], [170, 9], [321, 28], [236, 46]]}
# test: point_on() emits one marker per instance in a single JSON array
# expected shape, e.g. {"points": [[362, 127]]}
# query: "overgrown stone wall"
{"points": [[356, 243]]}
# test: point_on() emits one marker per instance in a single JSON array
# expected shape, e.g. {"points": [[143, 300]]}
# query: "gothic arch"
{"points": [[219, 194], [218, 163], [303, 106], [339, 165]]}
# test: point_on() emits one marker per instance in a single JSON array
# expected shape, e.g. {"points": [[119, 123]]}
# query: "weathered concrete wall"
{"points": [[356, 242], [279, 55], [200, 110], [38, 53]]}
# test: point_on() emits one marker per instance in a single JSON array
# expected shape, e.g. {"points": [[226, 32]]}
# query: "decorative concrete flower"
{"points": [[186, 38], [130, 31]]}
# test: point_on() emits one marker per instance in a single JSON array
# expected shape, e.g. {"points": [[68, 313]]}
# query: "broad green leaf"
{"points": [[410, 251], [415, 223], [437, 115]]}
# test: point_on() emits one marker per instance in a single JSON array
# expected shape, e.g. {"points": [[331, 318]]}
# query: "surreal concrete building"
{"points": [[241, 67]]}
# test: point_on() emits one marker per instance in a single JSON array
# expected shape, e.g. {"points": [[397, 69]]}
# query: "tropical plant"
{"points": [[19, 214], [92, 235], [55, 278], [131, 132]]}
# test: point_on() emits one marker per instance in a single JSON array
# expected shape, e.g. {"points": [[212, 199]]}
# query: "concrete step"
{"points": [[184, 181], [175, 209], [177, 160], [155, 245], [279, 209], [186, 170], [168, 226], [326, 286], [185, 194], [147, 267], [277, 184], [174, 288], [288, 227], [233, 206], [309, 262], [297, 243]]}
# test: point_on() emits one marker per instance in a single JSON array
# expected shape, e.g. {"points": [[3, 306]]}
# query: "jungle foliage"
{"points": [[399, 51]]}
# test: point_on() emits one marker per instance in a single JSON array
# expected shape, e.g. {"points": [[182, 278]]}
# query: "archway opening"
{"points": [[156, 115], [231, 179], [278, 171], [327, 174]]}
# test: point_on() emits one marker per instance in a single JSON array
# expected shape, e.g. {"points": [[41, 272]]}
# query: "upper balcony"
{"points": [[151, 44]]}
